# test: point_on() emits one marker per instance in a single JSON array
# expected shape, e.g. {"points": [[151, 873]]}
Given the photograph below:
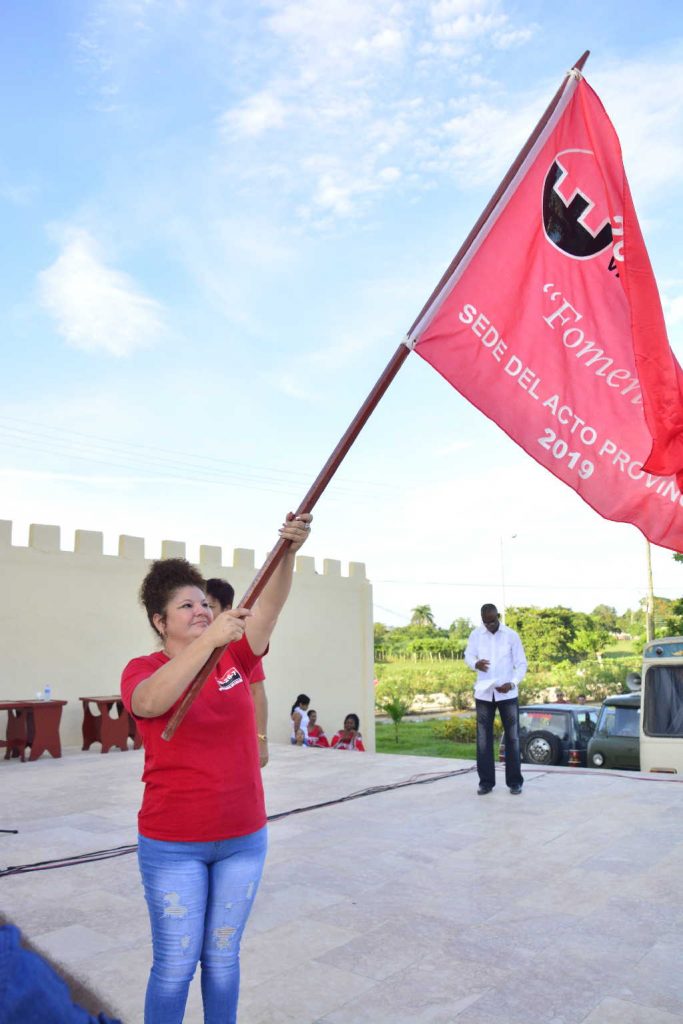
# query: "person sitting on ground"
{"points": [[299, 717], [219, 597], [349, 737], [316, 733]]}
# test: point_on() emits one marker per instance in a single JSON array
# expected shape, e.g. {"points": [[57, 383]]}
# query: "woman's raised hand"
{"points": [[228, 626], [296, 529]]}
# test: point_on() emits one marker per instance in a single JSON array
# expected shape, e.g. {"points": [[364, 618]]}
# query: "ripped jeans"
{"points": [[199, 896]]}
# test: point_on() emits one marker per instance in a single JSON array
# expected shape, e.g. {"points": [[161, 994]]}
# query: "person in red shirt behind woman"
{"points": [[202, 825], [316, 735], [348, 738]]}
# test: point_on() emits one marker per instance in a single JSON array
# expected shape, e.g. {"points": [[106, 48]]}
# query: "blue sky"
{"points": [[219, 220]]}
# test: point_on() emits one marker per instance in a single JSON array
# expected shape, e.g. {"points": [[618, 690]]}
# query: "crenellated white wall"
{"points": [[72, 619]]}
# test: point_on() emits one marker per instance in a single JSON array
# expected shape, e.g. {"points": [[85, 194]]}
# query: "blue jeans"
{"points": [[509, 716], [199, 896]]}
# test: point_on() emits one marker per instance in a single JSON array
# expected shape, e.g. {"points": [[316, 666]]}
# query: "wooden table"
{"points": [[34, 724], [106, 728]]}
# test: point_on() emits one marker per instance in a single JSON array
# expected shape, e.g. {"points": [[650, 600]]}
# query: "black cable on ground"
{"points": [[122, 851], [414, 780]]}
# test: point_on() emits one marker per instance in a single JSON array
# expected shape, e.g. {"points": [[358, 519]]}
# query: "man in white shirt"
{"points": [[496, 654]]}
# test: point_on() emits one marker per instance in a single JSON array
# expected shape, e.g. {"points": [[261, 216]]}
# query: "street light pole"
{"points": [[502, 576]]}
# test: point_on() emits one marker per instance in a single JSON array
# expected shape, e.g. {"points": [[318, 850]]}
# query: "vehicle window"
{"points": [[586, 722], [627, 722], [556, 722], [616, 721], [663, 712], [606, 722]]}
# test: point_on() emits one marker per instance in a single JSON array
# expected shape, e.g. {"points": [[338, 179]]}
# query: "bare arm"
{"points": [[159, 692], [258, 692], [265, 614]]}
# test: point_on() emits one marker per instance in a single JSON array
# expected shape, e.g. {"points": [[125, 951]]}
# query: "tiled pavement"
{"points": [[424, 904]]}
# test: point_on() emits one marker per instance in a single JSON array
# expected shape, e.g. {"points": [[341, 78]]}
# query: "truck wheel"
{"points": [[542, 748]]}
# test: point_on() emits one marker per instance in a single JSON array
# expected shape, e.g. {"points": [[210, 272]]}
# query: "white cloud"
{"points": [[356, 124], [644, 100], [388, 42], [256, 115], [506, 39], [458, 25], [468, 27], [97, 308], [339, 30], [446, 10], [478, 145], [673, 309], [18, 195]]}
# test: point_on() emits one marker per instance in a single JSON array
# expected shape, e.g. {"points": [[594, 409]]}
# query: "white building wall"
{"points": [[72, 619]]}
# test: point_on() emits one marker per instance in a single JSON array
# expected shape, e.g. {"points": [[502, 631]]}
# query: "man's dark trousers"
{"points": [[509, 714]]}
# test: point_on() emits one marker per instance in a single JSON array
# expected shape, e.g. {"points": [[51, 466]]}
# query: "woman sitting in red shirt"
{"points": [[348, 738], [316, 735]]}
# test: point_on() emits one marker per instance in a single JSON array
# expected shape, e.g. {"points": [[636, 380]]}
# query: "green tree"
{"points": [[590, 637], [422, 615], [673, 624], [606, 616], [460, 628], [662, 613], [547, 633], [632, 621]]}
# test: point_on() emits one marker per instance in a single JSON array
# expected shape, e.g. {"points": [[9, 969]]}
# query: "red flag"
{"points": [[552, 326]]}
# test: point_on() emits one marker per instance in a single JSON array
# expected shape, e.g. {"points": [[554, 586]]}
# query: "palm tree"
{"points": [[396, 707], [422, 616]]}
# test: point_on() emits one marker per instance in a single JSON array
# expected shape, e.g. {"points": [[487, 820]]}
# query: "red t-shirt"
{"points": [[257, 673], [205, 783], [316, 737]]}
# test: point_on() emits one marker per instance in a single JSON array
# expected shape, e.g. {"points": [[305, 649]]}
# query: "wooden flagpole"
{"points": [[393, 366]]}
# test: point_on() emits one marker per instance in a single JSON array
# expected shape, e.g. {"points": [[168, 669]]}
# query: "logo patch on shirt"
{"points": [[230, 679]]}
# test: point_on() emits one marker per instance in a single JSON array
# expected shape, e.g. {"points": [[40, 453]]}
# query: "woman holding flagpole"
{"points": [[202, 824]]}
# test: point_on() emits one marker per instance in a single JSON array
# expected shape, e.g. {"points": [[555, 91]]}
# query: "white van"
{"points": [[661, 719]]}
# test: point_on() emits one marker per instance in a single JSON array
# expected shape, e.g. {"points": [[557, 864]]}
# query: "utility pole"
{"points": [[650, 604]]}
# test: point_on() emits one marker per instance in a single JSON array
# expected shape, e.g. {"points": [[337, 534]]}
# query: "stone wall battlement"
{"points": [[90, 543], [72, 618]]}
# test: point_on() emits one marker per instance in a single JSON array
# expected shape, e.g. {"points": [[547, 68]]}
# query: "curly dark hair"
{"points": [[161, 582]]}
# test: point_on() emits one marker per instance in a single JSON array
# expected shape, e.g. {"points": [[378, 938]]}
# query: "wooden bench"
{"points": [[34, 724], [107, 728]]}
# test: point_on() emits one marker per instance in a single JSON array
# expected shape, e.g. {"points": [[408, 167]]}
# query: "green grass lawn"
{"points": [[418, 738], [620, 649]]}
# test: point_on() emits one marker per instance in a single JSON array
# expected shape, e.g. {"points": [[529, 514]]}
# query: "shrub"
{"points": [[462, 695], [462, 729], [405, 679]]}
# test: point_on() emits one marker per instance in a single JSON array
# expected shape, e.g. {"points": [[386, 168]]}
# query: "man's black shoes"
{"points": [[483, 790], [515, 790]]}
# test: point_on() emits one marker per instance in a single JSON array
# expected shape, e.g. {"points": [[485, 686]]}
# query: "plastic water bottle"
{"points": [[47, 692]]}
